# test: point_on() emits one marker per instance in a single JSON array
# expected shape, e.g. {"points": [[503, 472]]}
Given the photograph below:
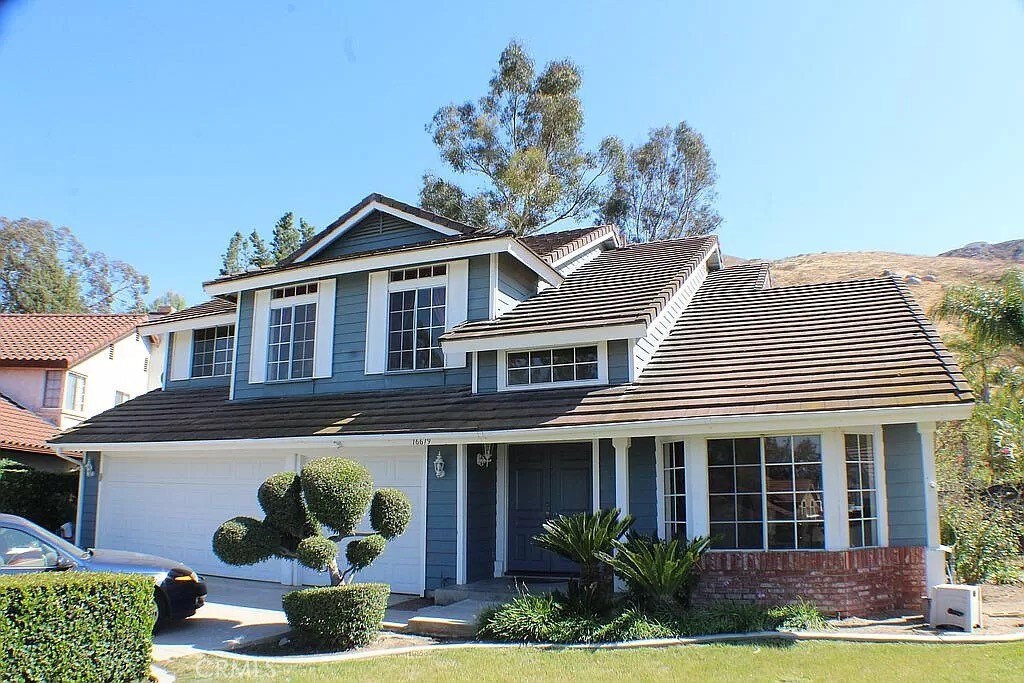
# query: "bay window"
{"points": [[862, 490], [674, 491]]}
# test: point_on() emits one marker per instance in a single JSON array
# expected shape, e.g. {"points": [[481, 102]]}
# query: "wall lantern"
{"points": [[486, 456], [439, 466]]}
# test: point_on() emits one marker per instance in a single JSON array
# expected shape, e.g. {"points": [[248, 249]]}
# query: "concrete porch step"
{"points": [[496, 590], [454, 620]]}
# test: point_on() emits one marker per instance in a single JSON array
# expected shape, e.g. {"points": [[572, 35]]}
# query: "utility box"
{"points": [[957, 606]]}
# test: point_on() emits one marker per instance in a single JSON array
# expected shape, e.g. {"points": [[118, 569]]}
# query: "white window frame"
{"points": [[118, 394], [405, 286], [875, 491], [292, 302], [78, 402], [59, 391], [602, 368], [664, 522], [192, 352]]}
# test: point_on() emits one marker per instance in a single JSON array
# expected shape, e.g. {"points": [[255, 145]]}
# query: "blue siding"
{"points": [[515, 280], [904, 481], [377, 231], [606, 466], [643, 488], [191, 383], [481, 507], [619, 361], [90, 496], [441, 523], [486, 372], [479, 288]]}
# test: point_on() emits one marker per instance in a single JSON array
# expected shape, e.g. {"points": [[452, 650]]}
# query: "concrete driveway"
{"points": [[237, 611]]}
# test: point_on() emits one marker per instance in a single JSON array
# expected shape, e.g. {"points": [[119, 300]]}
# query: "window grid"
{"points": [[735, 496], [674, 494], [120, 397], [549, 366], [294, 290], [416, 321], [403, 274], [862, 490], [290, 342], [212, 351], [51, 389], [74, 393]]}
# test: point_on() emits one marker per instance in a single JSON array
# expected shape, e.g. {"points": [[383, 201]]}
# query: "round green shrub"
{"points": [[280, 496], [316, 552], [338, 616], [337, 492], [390, 512], [244, 540], [361, 553]]}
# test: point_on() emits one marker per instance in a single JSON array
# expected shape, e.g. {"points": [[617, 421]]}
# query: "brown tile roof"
{"points": [[552, 246], [23, 430], [736, 351], [620, 287], [59, 340], [207, 308]]}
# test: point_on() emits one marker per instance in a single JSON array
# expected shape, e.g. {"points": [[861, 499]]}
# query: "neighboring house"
{"points": [[23, 437], [500, 381], [67, 367]]}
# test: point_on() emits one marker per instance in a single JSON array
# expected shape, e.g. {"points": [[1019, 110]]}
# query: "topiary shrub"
{"points": [[344, 616], [76, 626], [329, 492]]}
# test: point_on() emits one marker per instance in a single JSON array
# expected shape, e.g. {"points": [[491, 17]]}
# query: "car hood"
{"points": [[127, 562]]}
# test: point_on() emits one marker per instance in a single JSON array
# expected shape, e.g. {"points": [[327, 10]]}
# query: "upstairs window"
{"points": [[551, 366], [120, 397], [74, 393], [51, 390], [417, 300], [291, 333], [212, 351]]}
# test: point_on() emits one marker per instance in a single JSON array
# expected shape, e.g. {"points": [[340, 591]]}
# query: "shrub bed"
{"points": [[345, 616], [46, 498], [553, 619], [75, 626]]}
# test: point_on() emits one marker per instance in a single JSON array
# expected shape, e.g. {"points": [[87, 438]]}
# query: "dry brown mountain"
{"points": [[1011, 250]]}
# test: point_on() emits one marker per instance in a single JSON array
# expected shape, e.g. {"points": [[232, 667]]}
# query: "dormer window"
{"points": [[291, 335], [417, 299]]}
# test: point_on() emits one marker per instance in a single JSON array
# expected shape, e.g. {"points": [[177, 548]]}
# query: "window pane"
{"points": [[723, 536], [810, 536], [563, 356], [518, 360], [721, 480], [781, 536], [807, 448], [722, 508], [748, 451], [540, 358], [748, 479], [540, 375], [719, 451], [586, 371], [808, 478], [781, 506], [748, 536], [809, 506], [586, 354], [517, 377], [748, 507], [776, 449], [563, 373]]}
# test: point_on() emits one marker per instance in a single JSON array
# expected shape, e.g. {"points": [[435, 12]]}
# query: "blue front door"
{"points": [[545, 481]]}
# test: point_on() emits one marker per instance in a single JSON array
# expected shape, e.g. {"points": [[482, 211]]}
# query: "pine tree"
{"points": [[306, 230], [261, 254], [235, 259], [286, 237]]}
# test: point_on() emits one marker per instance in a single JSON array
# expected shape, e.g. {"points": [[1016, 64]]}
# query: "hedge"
{"points": [[47, 498], [343, 616], [76, 626]]}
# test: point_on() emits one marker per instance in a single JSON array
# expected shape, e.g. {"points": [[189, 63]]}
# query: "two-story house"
{"points": [[57, 370], [502, 380]]}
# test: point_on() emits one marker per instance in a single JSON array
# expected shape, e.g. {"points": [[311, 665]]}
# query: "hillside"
{"points": [[1012, 250]]}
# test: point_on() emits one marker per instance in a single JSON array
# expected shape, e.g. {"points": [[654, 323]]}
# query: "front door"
{"points": [[545, 481]]}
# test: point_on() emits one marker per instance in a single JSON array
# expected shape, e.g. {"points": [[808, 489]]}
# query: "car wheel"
{"points": [[160, 610]]}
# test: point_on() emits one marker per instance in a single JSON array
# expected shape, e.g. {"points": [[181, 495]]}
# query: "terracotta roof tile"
{"points": [[59, 340], [23, 430]]}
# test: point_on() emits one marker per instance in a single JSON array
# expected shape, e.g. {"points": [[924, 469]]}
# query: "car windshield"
{"points": [[53, 540]]}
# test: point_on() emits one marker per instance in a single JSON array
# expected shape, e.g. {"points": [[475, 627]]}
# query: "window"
{"points": [[19, 550], [861, 490], [74, 393], [766, 493], [294, 290], [51, 389], [212, 351], [573, 364], [110, 352], [290, 342], [416, 317], [120, 397], [674, 477]]}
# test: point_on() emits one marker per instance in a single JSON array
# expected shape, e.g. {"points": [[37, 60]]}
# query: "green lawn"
{"points": [[808, 661]]}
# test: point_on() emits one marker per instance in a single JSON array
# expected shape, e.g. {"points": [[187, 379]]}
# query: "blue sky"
{"points": [[156, 129]]}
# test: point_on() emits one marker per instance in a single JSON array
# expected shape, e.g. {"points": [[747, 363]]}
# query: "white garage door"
{"points": [[170, 506], [402, 563]]}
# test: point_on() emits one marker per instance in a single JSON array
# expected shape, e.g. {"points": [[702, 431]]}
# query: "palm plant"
{"points": [[659, 573], [582, 538]]}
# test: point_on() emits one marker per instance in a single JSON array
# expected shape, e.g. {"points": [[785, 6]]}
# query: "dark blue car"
{"points": [[27, 547]]}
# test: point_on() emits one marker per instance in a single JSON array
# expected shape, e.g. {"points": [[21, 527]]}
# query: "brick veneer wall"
{"points": [[856, 582]]}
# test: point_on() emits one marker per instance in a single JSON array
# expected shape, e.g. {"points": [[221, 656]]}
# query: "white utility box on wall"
{"points": [[955, 605]]}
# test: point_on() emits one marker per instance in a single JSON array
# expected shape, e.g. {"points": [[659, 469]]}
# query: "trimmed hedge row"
{"points": [[47, 498], [346, 616], [76, 626]]}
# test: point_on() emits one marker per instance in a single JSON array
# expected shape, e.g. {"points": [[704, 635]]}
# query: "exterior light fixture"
{"points": [[439, 466]]}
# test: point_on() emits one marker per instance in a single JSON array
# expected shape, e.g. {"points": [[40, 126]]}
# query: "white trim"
{"points": [[621, 445], [375, 358], [805, 422], [461, 476], [426, 471], [181, 356], [456, 309], [323, 342], [931, 488], [234, 353], [574, 337], [474, 372], [290, 301], [418, 283], [881, 493], [258, 337], [698, 514], [320, 244], [834, 491], [388, 260], [595, 474], [662, 325], [660, 443], [492, 296], [612, 235], [602, 370], [501, 510], [200, 323]]}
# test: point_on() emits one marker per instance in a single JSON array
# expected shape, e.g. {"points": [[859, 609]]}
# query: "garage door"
{"points": [[402, 563], [170, 506]]}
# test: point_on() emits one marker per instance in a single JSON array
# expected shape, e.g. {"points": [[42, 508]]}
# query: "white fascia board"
{"points": [[190, 323], [703, 426], [536, 340], [363, 213], [388, 260]]}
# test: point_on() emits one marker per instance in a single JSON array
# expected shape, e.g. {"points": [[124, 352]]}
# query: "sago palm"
{"points": [[582, 537]]}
